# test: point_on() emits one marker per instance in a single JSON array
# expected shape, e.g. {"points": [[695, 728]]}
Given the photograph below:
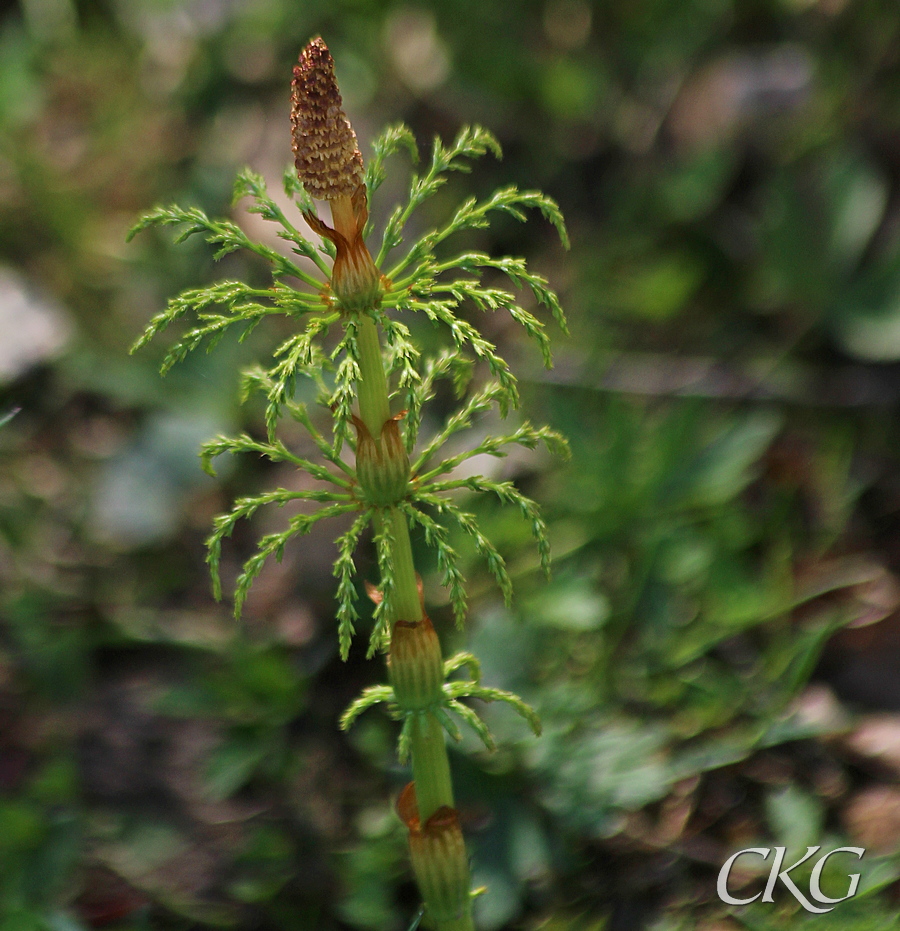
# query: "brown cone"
{"points": [[326, 152]]}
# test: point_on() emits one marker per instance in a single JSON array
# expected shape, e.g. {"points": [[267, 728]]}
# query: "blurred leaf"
{"points": [[867, 313], [858, 191], [661, 288], [368, 901], [138, 848], [501, 903], [571, 605], [572, 89], [725, 466], [22, 827], [694, 186], [233, 764], [602, 767], [795, 817], [59, 921]]}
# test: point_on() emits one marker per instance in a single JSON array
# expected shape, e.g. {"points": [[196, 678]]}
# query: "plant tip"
{"points": [[326, 153]]}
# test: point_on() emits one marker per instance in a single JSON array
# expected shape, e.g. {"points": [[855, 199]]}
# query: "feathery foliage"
{"points": [[390, 479], [431, 285], [448, 700]]}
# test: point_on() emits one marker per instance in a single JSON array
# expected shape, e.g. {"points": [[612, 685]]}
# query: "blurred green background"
{"points": [[717, 659]]}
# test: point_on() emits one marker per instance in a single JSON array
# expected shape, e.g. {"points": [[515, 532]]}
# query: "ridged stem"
{"points": [[430, 766], [428, 747], [374, 407], [406, 590]]}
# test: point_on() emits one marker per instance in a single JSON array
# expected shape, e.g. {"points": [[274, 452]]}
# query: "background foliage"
{"points": [[715, 661]]}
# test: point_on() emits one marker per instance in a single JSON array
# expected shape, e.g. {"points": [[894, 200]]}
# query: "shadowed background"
{"points": [[716, 659]]}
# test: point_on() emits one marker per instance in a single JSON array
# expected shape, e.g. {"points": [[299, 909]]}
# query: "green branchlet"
{"points": [[449, 699], [393, 481], [433, 286]]}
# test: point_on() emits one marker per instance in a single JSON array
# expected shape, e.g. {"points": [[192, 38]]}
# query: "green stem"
{"points": [[409, 604], [430, 766], [428, 750], [374, 406]]}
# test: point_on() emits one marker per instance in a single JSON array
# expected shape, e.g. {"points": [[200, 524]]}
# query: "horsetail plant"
{"points": [[375, 395]]}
